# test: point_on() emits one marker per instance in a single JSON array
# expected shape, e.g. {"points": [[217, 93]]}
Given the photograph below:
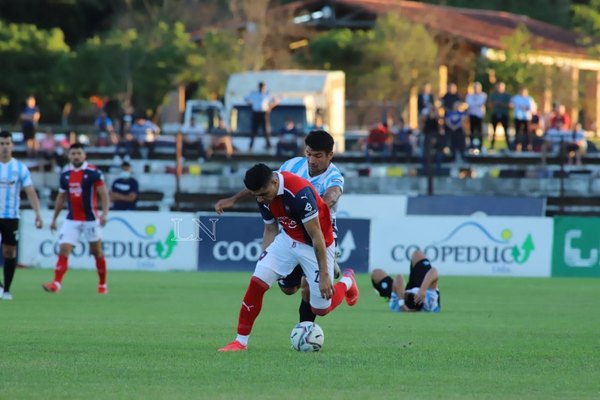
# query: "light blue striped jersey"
{"points": [[14, 176], [330, 178]]}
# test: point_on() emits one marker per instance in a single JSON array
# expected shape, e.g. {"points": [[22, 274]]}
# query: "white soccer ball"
{"points": [[307, 337]]}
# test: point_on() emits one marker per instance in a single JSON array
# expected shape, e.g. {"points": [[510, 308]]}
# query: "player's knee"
{"points": [[320, 311], [417, 256], [289, 290], [305, 293], [383, 286], [377, 275]]}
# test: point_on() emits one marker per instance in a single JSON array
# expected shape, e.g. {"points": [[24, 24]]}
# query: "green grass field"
{"points": [[155, 336]]}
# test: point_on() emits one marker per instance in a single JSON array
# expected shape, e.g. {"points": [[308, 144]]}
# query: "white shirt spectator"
{"points": [[260, 101], [476, 103], [524, 106]]}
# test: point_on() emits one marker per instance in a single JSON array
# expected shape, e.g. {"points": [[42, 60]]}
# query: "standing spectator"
{"points": [[476, 110], [524, 107], [14, 177], [500, 105], [306, 239], [451, 97], [287, 143], [262, 103], [455, 133], [435, 139], [30, 118], [220, 137], [425, 100], [48, 149], [125, 190], [78, 187]]}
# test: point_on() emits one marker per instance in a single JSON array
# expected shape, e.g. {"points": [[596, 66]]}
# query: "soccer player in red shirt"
{"points": [[78, 187], [307, 239]]}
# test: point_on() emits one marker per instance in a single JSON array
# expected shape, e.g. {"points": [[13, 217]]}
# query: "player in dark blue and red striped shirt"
{"points": [[79, 184], [307, 239]]}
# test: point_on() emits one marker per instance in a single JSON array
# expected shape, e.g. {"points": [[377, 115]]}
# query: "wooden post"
{"points": [[413, 109], [597, 119], [574, 94], [443, 72], [178, 163], [547, 90]]}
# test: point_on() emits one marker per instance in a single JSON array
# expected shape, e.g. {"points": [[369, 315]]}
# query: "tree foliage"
{"points": [[586, 19]]}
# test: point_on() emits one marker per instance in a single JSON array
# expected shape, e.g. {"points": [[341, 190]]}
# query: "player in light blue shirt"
{"points": [[14, 177], [327, 179], [421, 293]]}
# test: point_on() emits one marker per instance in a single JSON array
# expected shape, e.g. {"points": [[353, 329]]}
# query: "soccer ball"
{"points": [[307, 337]]}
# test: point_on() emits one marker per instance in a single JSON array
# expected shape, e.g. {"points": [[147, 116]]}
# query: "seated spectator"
{"points": [[559, 112], [128, 147], [555, 139], [289, 135], [145, 132], [404, 140], [576, 145], [49, 150], [192, 137], [220, 138], [380, 141], [105, 130], [125, 190], [318, 125]]}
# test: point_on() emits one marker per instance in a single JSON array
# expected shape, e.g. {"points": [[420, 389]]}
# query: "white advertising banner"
{"points": [[138, 240], [493, 246], [371, 205]]}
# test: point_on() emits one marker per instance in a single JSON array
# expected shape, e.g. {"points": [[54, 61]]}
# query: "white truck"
{"points": [[302, 95]]}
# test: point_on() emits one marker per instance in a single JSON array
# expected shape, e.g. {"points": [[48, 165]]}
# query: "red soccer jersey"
{"points": [[297, 201], [80, 185]]}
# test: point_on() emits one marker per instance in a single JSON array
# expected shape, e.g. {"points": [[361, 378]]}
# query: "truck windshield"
{"points": [[241, 118]]}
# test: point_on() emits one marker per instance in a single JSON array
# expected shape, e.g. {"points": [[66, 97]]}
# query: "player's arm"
{"points": [[104, 202], [35, 204], [271, 230], [429, 282], [230, 201], [59, 204], [313, 228], [332, 195]]}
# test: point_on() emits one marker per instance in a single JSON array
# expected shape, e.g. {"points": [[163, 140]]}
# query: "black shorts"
{"points": [[9, 229], [417, 274], [293, 279], [384, 287], [28, 132]]}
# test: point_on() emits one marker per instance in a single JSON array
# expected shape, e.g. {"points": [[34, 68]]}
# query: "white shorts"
{"points": [[284, 254], [72, 230]]}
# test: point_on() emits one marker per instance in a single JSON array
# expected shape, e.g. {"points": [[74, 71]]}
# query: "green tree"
{"points": [[586, 19], [32, 61]]}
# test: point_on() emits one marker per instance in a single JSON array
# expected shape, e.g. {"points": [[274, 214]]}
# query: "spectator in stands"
{"points": [[105, 130], [557, 140], [476, 110], [48, 150], [30, 118], [451, 97], [421, 293], [262, 103], [318, 125], [404, 140], [220, 137], [500, 105], [128, 147], [126, 122], [289, 135], [125, 190], [192, 137], [559, 112], [145, 133], [425, 100], [523, 106], [379, 140], [435, 139], [576, 145], [455, 133]]}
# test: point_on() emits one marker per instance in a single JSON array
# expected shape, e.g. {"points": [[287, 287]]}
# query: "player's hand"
{"points": [[420, 296], [223, 204], [39, 223], [53, 226], [325, 287], [102, 220]]}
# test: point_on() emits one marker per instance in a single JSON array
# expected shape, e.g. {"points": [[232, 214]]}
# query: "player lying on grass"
{"points": [[306, 238], [327, 179], [421, 293]]}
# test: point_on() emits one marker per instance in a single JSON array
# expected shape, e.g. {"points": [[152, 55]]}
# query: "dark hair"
{"points": [[257, 177], [409, 301], [319, 140], [125, 164], [77, 145], [6, 134]]}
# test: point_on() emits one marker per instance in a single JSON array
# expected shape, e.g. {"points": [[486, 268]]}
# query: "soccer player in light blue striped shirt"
{"points": [[14, 177], [327, 179]]}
